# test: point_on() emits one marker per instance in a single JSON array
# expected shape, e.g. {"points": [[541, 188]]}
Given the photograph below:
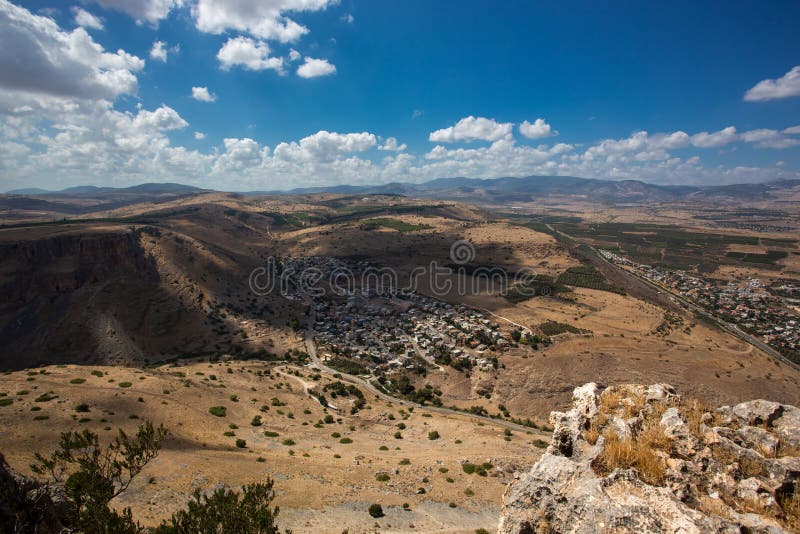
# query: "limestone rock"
{"points": [[641, 459]]}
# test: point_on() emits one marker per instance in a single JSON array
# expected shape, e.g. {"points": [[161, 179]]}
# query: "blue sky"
{"points": [[292, 93]]}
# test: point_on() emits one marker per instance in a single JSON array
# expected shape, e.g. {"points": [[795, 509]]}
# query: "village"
{"points": [[770, 312], [362, 316]]}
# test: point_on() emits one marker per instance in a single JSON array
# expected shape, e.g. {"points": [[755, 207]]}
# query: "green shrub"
{"points": [[97, 373], [41, 417], [271, 434], [6, 402], [469, 468], [345, 441], [256, 421], [375, 510], [382, 477], [241, 444], [229, 433], [124, 384], [405, 461], [219, 411], [82, 407], [433, 434], [288, 442], [44, 397], [77, 381]]}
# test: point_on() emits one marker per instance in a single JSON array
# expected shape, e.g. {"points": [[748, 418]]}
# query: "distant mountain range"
{"points": [[531, 188], [492, 191]]}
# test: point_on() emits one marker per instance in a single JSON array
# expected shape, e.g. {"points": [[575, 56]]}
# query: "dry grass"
{"points": [[639, 452], [790, 504]]}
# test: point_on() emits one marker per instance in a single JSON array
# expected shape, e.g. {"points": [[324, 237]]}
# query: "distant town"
{"points": [[389, 329], [772, 313]]}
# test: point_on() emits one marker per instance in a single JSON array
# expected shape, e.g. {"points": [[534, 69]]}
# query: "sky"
{"points": [[257, 95]]}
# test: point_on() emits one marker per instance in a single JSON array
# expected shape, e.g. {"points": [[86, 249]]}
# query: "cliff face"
{"points": [[642, 459], [55, 291]]}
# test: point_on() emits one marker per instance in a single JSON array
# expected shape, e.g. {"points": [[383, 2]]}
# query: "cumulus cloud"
{"points": [[391, 145], [766, 138], [249, 54], [202, 94], [150, 11], [87, 20], [159, 51], [537, 130], [199, 136], [772, 89], [164, 118], [792, 130], [348, 18], [264, 19], [473, 129], [37, 56], [294, 55], [716, 139], [312, 68]]}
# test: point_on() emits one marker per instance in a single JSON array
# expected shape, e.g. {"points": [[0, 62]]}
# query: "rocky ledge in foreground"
{"points": [[643, 459]]}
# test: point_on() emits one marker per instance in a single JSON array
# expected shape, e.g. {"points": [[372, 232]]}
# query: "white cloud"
{"points": [[150, 11], [325, 146], [38, 57], [87, 20], [203, 94], [311, 68], [249, 54], [771, 89], [265, 19], [715, 139], [765, 138], [159, 51], [294, 55], [199, 136], [348, 18], [164, 118], [793, 130], [536, 130], [391, 145], [472, 129]]}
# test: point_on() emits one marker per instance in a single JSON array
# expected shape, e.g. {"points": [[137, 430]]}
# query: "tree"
{"points": [[226, 510], [376, 510], [91, 477]]}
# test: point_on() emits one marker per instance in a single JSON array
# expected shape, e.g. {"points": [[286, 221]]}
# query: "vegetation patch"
{"points": [[392, 224]]}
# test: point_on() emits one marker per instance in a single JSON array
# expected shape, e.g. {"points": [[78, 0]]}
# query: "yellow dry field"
{"points": [[322, 484]]}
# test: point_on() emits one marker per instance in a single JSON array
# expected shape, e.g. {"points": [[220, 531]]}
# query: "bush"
{"points": [[256, 421], [97, 373], [44, 397], [345, 441], [382, 477], [219, 411], [125, 384], [6, 402], [229, 433], [241, 444], [405, 461], [375, 510], [77, 381], [92, 476], [469, 468], [398, 435], [288, 442], [271, 434], [82, 407], [226, 510], [433, 434]]}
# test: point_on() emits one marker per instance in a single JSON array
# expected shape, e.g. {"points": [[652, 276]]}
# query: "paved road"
{"points": [[311, 349]]}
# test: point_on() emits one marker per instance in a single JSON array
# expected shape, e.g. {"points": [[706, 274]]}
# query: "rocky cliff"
{"points": [[643, 459]]}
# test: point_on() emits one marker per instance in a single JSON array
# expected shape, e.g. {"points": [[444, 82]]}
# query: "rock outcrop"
{"points": [[643, 459]]}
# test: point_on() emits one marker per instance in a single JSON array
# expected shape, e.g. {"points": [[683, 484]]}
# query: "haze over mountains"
{"points": [[494, 190]]}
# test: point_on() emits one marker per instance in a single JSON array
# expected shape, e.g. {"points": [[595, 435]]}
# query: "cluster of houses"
{"points": [[771, 313], [401, 329], [359, 312]]}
